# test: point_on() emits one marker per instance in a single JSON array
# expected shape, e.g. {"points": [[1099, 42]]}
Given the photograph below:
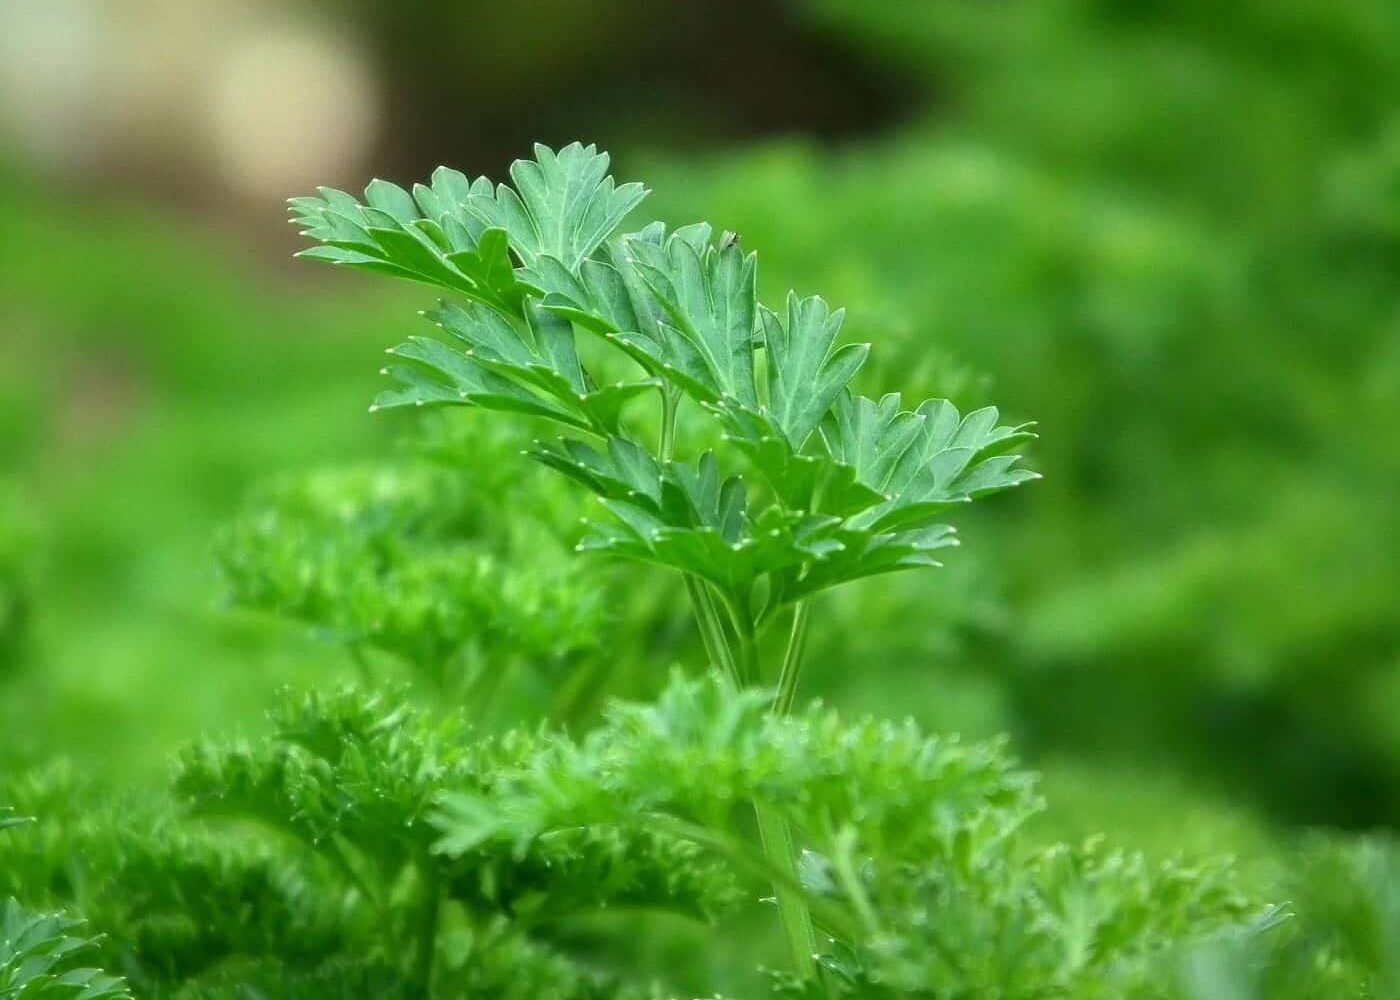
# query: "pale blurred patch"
{"points": [[290, 107], [233, 91], [49, 73]]}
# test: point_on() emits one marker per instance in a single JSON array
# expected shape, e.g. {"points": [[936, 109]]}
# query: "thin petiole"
{"points": [[706, 614], [711, 628], [670, 400], [792, 661], [429, 914]]}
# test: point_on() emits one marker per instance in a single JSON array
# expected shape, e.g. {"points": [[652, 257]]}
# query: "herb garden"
{"points": [[675, 627]]}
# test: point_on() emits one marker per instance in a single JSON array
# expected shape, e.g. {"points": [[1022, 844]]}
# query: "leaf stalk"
{"points": [[429, 915], [775, 833], [792, 660]]}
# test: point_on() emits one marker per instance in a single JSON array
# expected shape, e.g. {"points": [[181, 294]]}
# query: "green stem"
{"points": [[742, 619], [669, 401], [711, 628], [774, 831], [362, 667], [576, 692], [846, 874], [792, 661], [483, 684], [831, 915], [778, 849], [706, 614], [773, 827], [428, 917]]}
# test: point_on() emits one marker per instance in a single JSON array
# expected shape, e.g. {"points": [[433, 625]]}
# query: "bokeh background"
{"points": [[1168, 231]]}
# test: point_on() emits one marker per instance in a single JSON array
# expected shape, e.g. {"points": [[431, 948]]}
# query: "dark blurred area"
{"points": [[1170, 232], [221, 105]]}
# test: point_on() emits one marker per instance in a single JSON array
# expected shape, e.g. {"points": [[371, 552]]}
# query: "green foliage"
{"points": [[894, 827], [353, 779], [40, 956], [368, 845], [1341, 943], [459, 235], [913, 861], [17, 544], [302, 863], [1172, 243], [411, 560], [703, 749], [8, 819], [174, 903], [685, 308], [356, 778]]}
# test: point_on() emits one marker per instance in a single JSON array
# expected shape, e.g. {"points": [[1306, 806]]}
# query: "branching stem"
{"points": [[742, 667], [845, 869], [712, 628], [832, 916], [706, 614], [747, 637], [670, 400], [774, 832], [781, 855], [792, 661]]}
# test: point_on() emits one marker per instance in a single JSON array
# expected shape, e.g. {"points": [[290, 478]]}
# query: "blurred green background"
{"points": [[1169, 232]]}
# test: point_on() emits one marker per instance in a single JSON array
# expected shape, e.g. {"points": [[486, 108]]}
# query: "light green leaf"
{"points": [[707, 293], [466, 385], [733, 560], [538, 259], [563, 204], [625, 471], [924, 460], [615, 299], [811, 482], [489, 269], [858, 553], [37, 959], [523, 365], [805, 375], [686, 517], [388, 234]]}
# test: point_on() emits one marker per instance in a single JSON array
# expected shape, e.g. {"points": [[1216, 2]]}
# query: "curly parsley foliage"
{"points": [[174, 903], [913, 866], [1343, 941], [404, 559], [353, 780]]}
